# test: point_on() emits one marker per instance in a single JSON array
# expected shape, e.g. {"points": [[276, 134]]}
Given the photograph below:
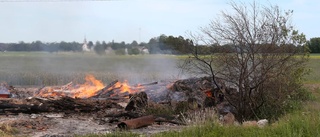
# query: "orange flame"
{"points": [[90, 88], [124, 87], [208, 93]]}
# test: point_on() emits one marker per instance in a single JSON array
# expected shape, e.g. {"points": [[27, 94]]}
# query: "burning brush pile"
{"points": [[118, 103]]}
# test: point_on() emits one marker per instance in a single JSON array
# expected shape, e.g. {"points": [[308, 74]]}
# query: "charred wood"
{"points": [[65, 104], [137, 102], [147, 84]]}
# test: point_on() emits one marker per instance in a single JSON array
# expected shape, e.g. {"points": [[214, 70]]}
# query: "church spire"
{"points": [[85, 45]]}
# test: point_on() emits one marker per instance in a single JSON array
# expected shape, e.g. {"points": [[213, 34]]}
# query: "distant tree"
{"points": [[134, 44], [122, 44], [35, 46], [178, 45], [153, 46], [134, 51], [3, 46], [21, 46], [99, 48], [90, 44], [314, 45], [120, 52], [104, 45], [143, 44], [51, 47], [70, 46]]}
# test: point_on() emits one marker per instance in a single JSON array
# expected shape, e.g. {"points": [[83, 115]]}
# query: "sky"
{"points": [[127, 20]]}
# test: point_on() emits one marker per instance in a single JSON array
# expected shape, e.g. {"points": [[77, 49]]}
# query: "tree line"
{"points": [[158, 45], [314, 45]]}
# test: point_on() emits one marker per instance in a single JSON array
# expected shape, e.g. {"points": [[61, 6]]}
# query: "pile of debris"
{"points": [[117, 104]]}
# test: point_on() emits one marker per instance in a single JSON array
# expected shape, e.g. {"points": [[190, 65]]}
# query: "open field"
{"points": [[314, 65], [41, 68]]}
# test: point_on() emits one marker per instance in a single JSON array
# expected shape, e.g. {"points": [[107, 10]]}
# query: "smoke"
{"points": [[149, 68], [59, 68]]}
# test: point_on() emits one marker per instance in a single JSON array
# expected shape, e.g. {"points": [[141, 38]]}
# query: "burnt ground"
{"points": [[39, 125]]}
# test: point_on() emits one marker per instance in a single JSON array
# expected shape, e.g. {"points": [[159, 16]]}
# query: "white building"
{"points": [[85, 46]]}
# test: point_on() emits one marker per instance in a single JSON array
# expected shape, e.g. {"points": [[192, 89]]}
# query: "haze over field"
{"points": [[38, 68]]}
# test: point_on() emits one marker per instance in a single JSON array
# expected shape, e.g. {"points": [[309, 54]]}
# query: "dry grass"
{"points": [[7, 131], [200, 117]]}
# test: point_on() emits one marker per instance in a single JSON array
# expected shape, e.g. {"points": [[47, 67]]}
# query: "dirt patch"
{"points": [[38, 125]]}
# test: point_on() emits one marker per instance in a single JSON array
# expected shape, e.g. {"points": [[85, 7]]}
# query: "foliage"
{"points": [[314, 45], [263, 57], [100, 48], [134, 51], [120, 52]]}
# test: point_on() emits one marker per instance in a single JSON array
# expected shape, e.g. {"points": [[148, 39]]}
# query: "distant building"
{"points": [[126, 51], [85, 46], [109, 50], [144, 50]]}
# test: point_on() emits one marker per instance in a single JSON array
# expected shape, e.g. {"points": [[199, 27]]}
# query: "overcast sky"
{"points": [[127, 20]]}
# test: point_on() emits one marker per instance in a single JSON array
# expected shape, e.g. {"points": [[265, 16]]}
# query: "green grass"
{"points": [[304, 123], [41, 68], [315, 56], [300, 123], [314, 65]]}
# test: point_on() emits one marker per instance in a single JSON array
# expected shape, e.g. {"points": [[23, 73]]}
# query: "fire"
{"points": [[125, 87], [90, 88], [51, 93], [208, 93]]}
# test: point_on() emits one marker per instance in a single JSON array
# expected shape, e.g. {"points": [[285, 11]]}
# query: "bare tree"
{"points": [[260, 54]]}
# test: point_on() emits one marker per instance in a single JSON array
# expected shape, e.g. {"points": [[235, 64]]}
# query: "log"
{"points": [[105, 90], [137, 122], [147, 84]]}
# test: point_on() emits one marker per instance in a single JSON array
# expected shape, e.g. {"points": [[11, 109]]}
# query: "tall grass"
{"points": [[302, 123]]}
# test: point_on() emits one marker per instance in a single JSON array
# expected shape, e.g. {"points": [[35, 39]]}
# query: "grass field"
{"points": [[41, 68], [314, 65]]}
